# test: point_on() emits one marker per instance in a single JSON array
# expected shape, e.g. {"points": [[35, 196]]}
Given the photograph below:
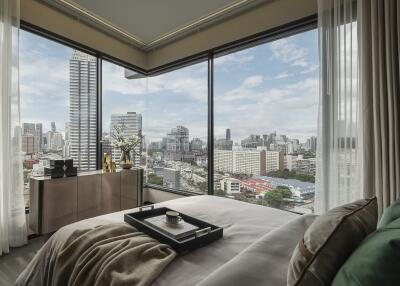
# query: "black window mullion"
{"points": [[99, 73], [210, 143]]}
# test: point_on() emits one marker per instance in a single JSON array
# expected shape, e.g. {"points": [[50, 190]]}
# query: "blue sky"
{"points": [[271, 87]]}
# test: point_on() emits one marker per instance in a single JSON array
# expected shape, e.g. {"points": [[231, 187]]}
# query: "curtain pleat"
{"points": [[379, 28]]}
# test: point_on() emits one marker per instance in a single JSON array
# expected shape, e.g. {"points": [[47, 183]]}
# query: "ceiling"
{"points": [[151, 23]]}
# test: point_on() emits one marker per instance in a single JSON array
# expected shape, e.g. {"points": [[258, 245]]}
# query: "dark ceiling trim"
{"points": [[285, 30], [295, 27]]}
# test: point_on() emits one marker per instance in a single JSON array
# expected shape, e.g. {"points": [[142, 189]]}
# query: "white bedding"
{"points": [[243, 224]]}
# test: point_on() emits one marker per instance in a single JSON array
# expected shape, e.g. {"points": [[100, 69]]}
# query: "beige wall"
{"points": [[272, 14], [263, 18], [43, 16]]}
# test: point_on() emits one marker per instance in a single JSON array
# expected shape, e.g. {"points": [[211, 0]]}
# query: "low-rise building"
{"points": [[230, 185], [306, 166]]}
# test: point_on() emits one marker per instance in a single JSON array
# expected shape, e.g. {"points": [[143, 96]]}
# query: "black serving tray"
{"points": [[206, 234]]}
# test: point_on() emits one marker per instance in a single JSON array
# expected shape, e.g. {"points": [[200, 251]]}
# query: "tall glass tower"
{"points": [[82, 110]]}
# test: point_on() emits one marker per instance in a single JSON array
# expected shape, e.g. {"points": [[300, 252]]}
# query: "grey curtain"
{"points": [[379, 47]]}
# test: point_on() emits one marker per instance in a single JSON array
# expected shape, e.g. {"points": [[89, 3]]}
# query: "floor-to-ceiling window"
{"points": [[176, 129], [265, 118], [58, 105], [265, 123]]}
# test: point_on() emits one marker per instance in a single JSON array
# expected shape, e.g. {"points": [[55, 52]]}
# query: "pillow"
{"points": [[329, 241], [390, 214], [376, 261]]}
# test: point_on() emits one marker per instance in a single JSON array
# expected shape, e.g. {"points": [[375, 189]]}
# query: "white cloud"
{"points": [[186, 84], [114, 81], [289, 52], [246, 90], [282, 75], [289, 109], [253, 81], [191, 81], [43, 76], [234, 58], [310, 69]]}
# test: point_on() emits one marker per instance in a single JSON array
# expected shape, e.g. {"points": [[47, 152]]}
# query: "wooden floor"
{"points": [[12, 264]]}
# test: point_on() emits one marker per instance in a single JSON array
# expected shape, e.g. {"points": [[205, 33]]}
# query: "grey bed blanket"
{"points": [[113, 254], [266, 261], [243, 224]]}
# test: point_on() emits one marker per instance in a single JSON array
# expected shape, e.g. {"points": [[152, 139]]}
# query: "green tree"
{"points": [[274, 198], [155, 180], [241, 197], [286, 174], [202, 186], [285, 191], [219, 193]]}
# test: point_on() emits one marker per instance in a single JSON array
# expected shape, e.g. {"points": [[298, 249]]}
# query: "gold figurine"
{"points": [[113, 167], [107, 164]]}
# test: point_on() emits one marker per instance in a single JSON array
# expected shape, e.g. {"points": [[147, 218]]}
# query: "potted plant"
{"points": [[126, 143]]}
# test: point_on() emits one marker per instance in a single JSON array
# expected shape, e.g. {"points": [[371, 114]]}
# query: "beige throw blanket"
{"points": [[113, 254]]}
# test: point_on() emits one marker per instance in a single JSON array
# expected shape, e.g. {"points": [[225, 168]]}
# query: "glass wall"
{"points": [[265, 117], [58, 105], [176, 129], [169, 113]]}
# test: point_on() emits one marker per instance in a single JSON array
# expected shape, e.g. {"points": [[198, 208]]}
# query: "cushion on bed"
{"points": [[375, 262], [390, 214], [329, 241]]}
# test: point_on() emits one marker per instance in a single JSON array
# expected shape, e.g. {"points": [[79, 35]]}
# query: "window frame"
{"points": [[286, 30]]}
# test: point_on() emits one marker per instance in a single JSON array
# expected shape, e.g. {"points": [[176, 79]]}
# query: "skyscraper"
{"points": [[67, 131], [224, 143], [39, 134], [132, 123], [28, 128], [54, 141], [228, 134], [53, 126], [178, 144], [30, 139], [29, 144], [313, 144], [82, 110]]}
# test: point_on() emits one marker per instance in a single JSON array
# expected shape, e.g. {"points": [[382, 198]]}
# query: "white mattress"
{"points": [[243, 224]]}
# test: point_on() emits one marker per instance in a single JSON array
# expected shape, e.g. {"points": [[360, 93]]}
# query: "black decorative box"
{"points": [[54, 173], [61, 168], [71, 171], [69, 163], [57, 164], [206, 234]]}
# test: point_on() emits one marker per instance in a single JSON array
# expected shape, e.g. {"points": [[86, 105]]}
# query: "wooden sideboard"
{"points": [[55, 203]]}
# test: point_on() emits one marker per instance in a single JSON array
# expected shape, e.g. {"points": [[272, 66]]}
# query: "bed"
{"points": [[257, 243]]}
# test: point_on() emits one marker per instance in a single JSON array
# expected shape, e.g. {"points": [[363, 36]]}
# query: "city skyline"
{"points": [[190, 137], [282, 82]]}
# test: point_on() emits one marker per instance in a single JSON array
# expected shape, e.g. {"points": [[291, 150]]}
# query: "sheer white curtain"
{"points": [[13, 231], [338, 148]]}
